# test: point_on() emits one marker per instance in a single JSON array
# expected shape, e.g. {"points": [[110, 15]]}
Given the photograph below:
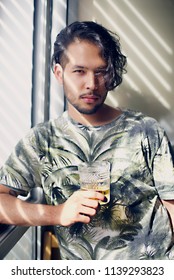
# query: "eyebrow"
{"points": [[83, 67], [78, 66]]}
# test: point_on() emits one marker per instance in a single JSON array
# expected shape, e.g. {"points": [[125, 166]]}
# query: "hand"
{"points": [[80, 207]]}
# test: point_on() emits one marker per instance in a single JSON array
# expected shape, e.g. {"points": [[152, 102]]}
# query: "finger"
{"points": [[84, 219], [87, 211], [93, 194], [90, 202]]}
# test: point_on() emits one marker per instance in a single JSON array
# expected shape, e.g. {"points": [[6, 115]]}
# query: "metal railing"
{"points": [[10, 234]]}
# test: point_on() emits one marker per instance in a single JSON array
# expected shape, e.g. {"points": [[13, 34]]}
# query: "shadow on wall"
{"points": [[144, 102], [124, 97]]}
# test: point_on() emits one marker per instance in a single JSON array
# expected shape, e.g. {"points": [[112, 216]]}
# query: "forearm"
{"points": [[18, 212], [79, 207]]}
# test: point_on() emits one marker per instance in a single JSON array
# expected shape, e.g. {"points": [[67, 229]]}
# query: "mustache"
{"points": [[86, 94]]}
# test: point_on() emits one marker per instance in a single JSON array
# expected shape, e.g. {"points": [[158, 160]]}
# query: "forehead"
{"points": [[85, 54]]}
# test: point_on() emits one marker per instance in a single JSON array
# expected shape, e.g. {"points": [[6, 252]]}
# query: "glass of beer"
{"points": [[96, 176]]}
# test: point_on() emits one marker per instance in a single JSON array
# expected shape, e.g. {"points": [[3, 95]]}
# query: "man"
{"points": [[137, 221]]}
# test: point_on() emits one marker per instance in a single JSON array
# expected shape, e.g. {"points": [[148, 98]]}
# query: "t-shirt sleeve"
{"points": [[21, 170], [163, 170]]}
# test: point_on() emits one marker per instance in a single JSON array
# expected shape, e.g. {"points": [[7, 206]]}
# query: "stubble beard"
{"points": [[86, 111]]}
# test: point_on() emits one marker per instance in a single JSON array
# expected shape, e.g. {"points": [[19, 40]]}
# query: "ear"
{"points": [[58, 72]]}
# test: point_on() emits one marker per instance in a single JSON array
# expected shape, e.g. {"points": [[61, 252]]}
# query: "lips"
{"points": [[90, 98]]}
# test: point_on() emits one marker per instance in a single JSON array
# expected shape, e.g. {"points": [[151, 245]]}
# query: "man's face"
{"points": [[83, 77]]}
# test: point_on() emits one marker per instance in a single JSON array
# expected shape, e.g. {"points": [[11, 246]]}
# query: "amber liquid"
{"points": [[104, 189]]}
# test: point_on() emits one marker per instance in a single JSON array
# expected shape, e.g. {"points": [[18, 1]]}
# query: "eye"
{"points": [[79, 71], [100, 73]]}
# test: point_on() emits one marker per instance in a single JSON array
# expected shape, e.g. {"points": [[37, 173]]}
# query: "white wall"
{"points": [[16, 21], [15, 72]]}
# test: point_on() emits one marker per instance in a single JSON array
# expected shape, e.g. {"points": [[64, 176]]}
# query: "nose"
{"points": [[91, 81]]}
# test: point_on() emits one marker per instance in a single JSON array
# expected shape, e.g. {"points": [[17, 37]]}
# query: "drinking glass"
{"points": [[96, 176]]}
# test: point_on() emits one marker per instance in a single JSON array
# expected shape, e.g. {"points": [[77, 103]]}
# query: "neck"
{"points": [[104, 115]]}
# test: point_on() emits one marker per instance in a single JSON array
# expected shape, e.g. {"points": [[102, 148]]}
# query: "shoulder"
{"points": [[40, 135], [146, 122], [149, 128], [50, 127], [137, 116]]}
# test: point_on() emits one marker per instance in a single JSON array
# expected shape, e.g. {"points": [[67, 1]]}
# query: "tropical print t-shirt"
{"points": [[134, 224]]}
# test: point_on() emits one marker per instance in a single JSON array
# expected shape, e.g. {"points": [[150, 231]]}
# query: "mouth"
{"points": [[90, 98]]}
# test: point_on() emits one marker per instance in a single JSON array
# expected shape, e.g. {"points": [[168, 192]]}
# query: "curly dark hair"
{"points": [[106, 40]]}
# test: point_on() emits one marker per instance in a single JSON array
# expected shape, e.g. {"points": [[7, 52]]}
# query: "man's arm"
{"points": [[80, 207], [169, 204]]}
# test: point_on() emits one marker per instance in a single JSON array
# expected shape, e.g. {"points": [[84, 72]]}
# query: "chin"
{"points": [[88, 111]]}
